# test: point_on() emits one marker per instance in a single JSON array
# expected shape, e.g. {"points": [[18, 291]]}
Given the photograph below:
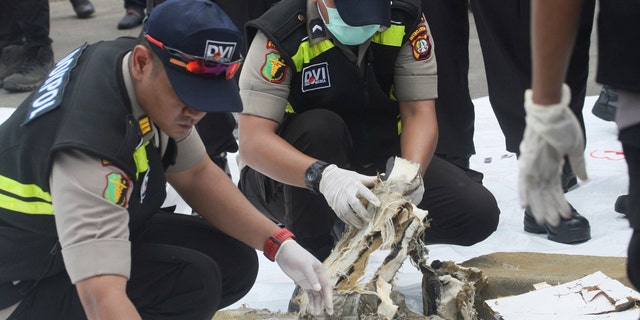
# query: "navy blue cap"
{"points": [[198, 28], [365, 12]]}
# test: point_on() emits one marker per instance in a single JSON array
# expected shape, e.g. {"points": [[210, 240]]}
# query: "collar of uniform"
{"points": [[316, 29], [148, 130]]}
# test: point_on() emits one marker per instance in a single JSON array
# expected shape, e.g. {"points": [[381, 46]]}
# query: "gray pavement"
{"points": [[69, 32]]}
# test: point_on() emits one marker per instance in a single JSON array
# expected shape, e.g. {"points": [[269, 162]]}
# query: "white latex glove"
{"points": [[414, 183], [346, 191], [308, 273], [551, 133]]}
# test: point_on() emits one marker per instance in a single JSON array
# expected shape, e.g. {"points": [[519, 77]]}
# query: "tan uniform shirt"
{"points": [[413, 79], [93, 232]]}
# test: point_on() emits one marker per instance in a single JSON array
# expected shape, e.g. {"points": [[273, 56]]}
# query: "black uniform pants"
{"points": [[461, 210], [25, 22], [630, 139], [504, 32], [182, 268]]}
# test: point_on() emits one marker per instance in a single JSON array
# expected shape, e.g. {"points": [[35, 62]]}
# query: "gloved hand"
{"points": [[551, 133], [345, 190], [308, 273], [414, 183]]}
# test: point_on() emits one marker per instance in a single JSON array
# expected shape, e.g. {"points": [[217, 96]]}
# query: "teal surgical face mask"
{"points": [[346, 34]]}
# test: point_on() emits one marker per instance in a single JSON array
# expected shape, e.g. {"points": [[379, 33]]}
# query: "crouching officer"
{"points": [[83, 165], [331, 90]]}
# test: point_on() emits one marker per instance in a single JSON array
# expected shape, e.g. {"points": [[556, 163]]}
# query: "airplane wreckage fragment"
{"points": [[397, 227]]}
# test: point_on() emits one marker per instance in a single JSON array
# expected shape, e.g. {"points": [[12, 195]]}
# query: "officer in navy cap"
{"points": [[84, 163]]}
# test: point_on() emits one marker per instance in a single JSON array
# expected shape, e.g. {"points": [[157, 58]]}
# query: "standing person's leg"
{"points": [[34, 22], [504, 33], [11, 40], [449, 22]]}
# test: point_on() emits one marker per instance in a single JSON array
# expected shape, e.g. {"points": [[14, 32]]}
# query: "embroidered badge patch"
{"points": [[421, 42], [116, 189], [270, 45], [315, 77], [274, 67]]}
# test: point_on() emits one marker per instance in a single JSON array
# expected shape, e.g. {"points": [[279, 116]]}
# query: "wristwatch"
{"points": [[313, 175], [275, 241]]}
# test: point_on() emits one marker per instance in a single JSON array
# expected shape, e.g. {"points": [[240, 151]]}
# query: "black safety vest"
{"points": [[323, 77], [82, 105]]}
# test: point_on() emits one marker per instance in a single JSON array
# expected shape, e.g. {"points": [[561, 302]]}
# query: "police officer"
{"points": [[552, 129], [83, 165], [331, 90]]}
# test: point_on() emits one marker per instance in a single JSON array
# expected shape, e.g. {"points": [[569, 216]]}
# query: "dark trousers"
{"points": [[182, 268], [461, 210], [504, 32], [25, 22], [449, 22], [630, 138]]}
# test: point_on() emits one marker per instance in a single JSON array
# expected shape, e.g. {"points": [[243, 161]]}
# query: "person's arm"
{"points": [[208, 190], [92, 225], [554, 25], [419, 131], [104, 297]]}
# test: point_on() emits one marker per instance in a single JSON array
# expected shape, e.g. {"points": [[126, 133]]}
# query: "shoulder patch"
{"points": [[420, 41], [145, 125], [274, 68], [116, 189], [50, 93]]}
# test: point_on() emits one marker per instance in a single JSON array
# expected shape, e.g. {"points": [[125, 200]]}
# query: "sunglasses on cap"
{"points": [[198, 65]]}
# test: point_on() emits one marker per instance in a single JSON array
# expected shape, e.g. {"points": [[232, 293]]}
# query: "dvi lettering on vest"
{"points": [[315, 77]]}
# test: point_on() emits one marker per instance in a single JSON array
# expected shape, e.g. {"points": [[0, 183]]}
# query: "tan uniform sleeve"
{"points": [[190, 151], [416, 73], [264, 81], [89, 201]]}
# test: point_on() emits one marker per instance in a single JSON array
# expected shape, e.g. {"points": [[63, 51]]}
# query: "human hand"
{"points": [[412, 180], [308, 273], [345, 192], [551, 133]]}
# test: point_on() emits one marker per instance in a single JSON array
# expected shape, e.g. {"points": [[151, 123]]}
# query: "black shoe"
{"points": [[294, 307], [11, 57], [130, 20], [621, 205], [606, 105], [83, 8], [573, 230], [32, 71]]}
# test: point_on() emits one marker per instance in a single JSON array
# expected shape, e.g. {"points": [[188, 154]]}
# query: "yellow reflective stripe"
{"points": [[305, 52], [140, 158], [23, 190], [390, 37], [289, 108], [35, 207]]}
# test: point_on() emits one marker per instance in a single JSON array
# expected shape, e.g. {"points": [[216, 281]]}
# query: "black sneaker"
{"points": [[31, 72], [132, 18], [573, 230], [11, 57], [83, 8], [606, 105], [621, 205]]}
